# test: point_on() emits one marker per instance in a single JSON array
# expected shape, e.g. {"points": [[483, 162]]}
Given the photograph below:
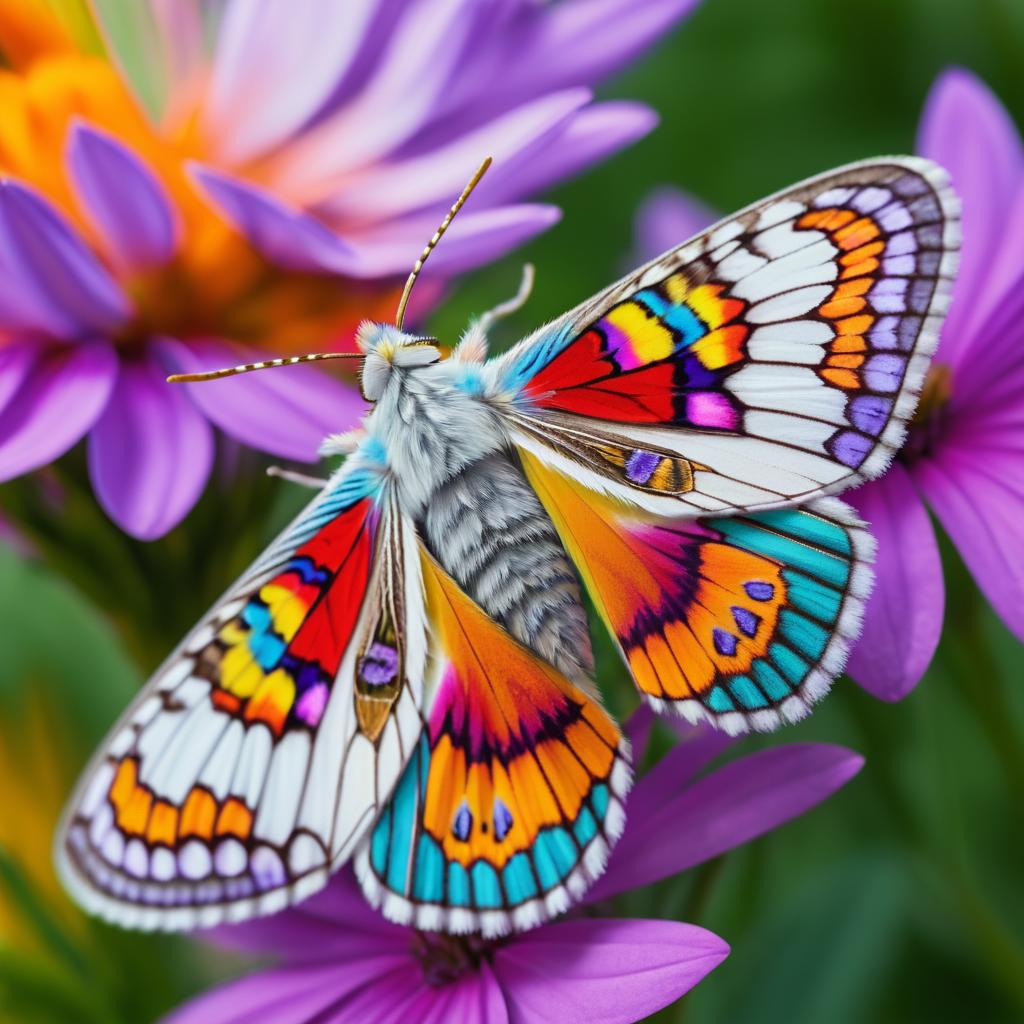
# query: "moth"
{"points": [[403, 678]]}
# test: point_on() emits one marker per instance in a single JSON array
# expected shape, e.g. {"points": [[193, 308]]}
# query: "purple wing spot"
{"points": [[884, 372], [725, 642], [640, 466], [310, 706], [759, 590], [870, 413], [379, 665], [850, 448], [746, 621], [463, 823], [502, 820]]}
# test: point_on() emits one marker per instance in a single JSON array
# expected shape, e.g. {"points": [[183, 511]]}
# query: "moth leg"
{"points": [[473, 346], [304, 480], [513, 305]]}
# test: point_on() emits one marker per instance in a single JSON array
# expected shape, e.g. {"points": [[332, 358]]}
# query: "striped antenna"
{"points": [[231, 371], [418, 265]]}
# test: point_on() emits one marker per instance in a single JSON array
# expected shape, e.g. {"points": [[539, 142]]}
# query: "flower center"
{"points": [[927, 425], [446, 958]]}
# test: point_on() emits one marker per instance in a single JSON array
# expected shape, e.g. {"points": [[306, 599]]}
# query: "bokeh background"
{"points": [[900, 899]]}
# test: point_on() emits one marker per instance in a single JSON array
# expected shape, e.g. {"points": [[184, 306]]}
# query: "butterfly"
{"points": [[403, 678]]}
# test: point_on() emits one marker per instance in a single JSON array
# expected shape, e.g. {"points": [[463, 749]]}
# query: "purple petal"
{"points": [[584, 41], [965, 128], [49, 280], [738, 802], [286, 236], [287, 412], [668, 218], [603, 971], [637, 729], [287, 995], [273, 69], [335, 923], [410, 77], [903, 620], [588, 137], [125, 201], [60, 393], [475, 237], [978, 496], [150, 453], [438, 175]]}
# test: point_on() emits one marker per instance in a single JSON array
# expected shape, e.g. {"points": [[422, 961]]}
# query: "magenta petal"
{"points": [[730, 806], [150, 453], [123, 198], [966, 129], [286, 995], [668, 218], [49, 280], [978, 496], [599, 971], [286, 236], [903, 619], [274, 68], [61, 393], [16, 359], [287, 412], [475, 237]]}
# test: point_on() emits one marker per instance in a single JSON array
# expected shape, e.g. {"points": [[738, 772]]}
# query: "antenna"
{"points": [[418, 265], [313, 357]]}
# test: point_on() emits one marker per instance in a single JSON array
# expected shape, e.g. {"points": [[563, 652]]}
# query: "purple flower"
{"points": [[339, 960], [331, 138], [964, 451]]}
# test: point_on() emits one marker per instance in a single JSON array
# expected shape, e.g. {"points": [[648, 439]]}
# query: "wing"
{"points": [[253, 761], [773, 359], [515, 794], [742, 620]]}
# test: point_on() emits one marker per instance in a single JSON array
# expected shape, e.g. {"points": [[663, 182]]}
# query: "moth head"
{"points": [[386, 348]]}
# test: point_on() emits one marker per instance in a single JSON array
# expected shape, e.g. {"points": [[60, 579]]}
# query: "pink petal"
{"points": [[123, 198], [60, 393], [287, 411], [438, 175], [475, 237], [150, 453], [668, 218], [603, 971], [409, 80], [273, 69], [288, 995], [181, 29], [978, 496], [965, 128], [286, 236], [49, 280], [903, 620], [729, 807]]}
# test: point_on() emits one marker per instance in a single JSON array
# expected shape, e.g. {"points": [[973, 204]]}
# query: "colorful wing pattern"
{"points": [[252, 763], [773, 359], [516, 792], [743, 620]]}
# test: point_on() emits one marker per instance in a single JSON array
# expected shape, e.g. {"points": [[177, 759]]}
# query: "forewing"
{"points": [[507, 811], [253, 761], [775, 358], [741, 620]]}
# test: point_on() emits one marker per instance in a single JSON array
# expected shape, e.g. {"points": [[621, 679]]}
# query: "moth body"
{"points": [[452, 463]]}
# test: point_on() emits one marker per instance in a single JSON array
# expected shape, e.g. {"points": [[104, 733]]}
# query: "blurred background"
{"points": [[899, 899]]}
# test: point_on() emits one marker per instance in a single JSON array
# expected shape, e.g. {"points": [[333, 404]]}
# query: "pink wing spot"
{"points": [[711, 409]]}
